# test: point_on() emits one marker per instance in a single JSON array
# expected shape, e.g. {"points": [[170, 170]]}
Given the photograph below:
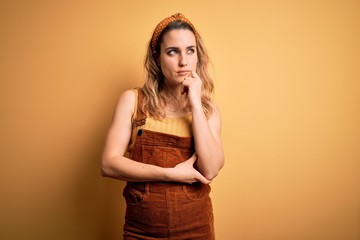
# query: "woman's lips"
{"points": [[183, 73]]}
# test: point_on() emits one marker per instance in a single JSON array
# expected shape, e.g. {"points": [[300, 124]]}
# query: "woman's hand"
{"points": [[186, 173], [192, 87]]}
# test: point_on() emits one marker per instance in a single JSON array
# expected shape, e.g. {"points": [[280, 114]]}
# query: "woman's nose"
{"points": [[182, 61]]}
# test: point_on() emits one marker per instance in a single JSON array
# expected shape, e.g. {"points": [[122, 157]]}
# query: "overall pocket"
{"points": [[161, 156], [197, 191], [135, 195]]}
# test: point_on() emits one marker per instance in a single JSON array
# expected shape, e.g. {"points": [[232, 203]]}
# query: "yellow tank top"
{"points": [[178, 126]]}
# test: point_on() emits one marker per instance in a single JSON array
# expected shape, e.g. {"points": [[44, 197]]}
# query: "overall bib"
{"points": [[165, 210]]}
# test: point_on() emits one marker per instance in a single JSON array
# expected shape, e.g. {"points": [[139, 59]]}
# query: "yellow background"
{"points": [[287, 80]]}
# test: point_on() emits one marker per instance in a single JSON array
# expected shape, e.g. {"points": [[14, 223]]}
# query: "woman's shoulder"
{"points": [[129, 93], [215, 108], [215, 115], [128, 96], [127, 100]]}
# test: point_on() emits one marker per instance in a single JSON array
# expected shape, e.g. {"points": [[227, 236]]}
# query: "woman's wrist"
{"points": [[196, 107], [168, 174]]}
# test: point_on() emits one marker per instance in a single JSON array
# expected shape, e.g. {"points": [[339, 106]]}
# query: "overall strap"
{"points": [[140, 115]]}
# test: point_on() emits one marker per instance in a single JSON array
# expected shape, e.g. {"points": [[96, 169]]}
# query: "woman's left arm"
{"points": [[207, 131]]}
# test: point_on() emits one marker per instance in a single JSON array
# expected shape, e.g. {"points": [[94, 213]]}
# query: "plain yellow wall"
{"points": [[287, 80]]}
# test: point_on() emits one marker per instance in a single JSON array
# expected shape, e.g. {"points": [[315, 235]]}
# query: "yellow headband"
{"points": [[162, 25]]}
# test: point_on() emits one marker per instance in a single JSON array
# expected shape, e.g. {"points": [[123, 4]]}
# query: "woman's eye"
{"points": [[171, 52], [191, 51]]}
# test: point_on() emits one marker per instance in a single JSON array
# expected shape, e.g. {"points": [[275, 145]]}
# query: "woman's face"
{"points": [[178, 56]]}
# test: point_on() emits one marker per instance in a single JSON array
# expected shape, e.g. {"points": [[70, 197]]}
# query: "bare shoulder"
{"points": [[126, 103], [215, 123], [216, 114], [216, 108], [119, 133], [214, 119], [128, 96], [127, 99]]}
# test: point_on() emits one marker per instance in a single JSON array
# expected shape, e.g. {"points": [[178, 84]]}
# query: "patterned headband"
{"points": [[164, 23]]}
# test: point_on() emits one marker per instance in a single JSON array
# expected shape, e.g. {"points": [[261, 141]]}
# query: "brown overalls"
{"points": [[165, 210]]}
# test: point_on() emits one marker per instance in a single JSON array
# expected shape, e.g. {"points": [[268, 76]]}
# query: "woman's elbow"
{"points": [[210, 175], [105, 170]]}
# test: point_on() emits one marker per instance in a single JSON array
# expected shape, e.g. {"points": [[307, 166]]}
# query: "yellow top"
{"points": [[179, 126]]}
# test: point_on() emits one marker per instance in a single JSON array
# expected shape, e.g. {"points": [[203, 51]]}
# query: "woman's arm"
{"points": [[207, 131], [115, 165], [207, 135]]}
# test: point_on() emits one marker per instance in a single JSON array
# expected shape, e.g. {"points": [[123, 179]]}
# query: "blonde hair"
{"points": [[153, 89]]}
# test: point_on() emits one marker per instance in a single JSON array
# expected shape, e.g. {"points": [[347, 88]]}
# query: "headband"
{"points": [[164, 23]]}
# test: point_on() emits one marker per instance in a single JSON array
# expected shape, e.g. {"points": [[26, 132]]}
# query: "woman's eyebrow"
{"points": [[177, 48], [172, 48]]}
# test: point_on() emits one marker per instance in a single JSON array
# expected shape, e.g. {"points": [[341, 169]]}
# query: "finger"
{"points": [[187, 81], [193, 158], [194, 74], [184, 88], [203, 179]]}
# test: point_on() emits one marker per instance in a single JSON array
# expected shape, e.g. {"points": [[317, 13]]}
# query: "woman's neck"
{"points": [[176, 103]]}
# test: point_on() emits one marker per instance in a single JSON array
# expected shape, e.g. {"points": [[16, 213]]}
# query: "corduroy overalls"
{"points": [[165, 210]]}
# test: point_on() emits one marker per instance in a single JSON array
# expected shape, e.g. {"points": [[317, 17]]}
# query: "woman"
{"points": [[165, 139]]}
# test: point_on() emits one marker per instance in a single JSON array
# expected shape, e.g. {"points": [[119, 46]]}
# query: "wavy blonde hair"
{"points": [[154, 95]]}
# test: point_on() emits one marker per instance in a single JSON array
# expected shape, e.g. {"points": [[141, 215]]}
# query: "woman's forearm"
{"points": [[207, 144], [123, 168]]}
